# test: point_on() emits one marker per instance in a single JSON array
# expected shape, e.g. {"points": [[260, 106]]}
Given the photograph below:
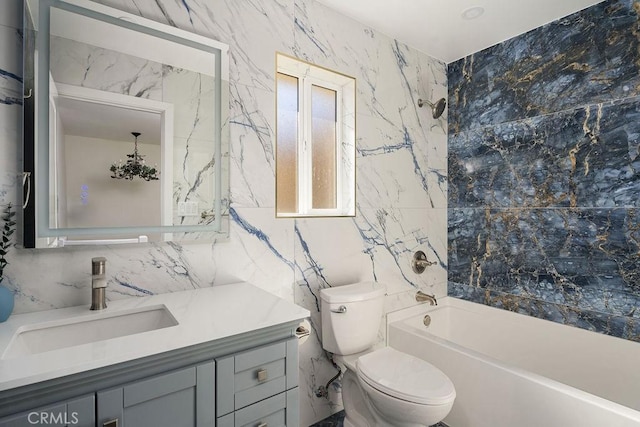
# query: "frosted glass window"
{"points": [[315, 140], [323, 151], [287, 144]]}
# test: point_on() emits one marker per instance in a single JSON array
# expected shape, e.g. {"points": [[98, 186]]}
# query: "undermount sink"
{"points": [[93, 327]]}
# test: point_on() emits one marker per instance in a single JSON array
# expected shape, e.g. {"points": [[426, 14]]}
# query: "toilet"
{"points": [[380, 387]]}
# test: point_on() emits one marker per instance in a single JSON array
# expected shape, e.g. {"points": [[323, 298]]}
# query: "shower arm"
{"points": [[436, 108]]}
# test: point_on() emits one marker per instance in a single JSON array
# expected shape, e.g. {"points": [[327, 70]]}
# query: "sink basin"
{"points": [[93, 327]]}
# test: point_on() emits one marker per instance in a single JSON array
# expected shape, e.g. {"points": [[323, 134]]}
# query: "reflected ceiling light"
{"points": [[135, 166], [472, 12]]}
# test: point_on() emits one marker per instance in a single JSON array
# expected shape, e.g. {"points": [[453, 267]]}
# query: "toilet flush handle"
{"points": [[341, 309]]}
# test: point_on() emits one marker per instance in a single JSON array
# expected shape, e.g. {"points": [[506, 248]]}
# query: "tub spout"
{"points": [[422, 297]]}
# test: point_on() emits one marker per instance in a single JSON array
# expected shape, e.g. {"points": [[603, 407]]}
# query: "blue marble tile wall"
{"points": [[544, 161], [401, 176]]}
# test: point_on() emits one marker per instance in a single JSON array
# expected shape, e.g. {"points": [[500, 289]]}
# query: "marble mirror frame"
{"points": [[38, 231]]}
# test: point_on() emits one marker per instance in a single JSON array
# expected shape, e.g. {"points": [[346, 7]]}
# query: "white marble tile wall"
{"points": [[10, 97], [401, 176], [80, 64]]}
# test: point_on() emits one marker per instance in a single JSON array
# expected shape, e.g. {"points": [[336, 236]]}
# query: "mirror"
{"points": [[315, 140], [126, 131]]}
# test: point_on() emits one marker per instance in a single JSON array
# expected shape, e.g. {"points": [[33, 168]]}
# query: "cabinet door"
{"points": [[183, 398], [74, 413]]}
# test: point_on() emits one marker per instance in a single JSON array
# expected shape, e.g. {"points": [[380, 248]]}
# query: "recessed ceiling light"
{"points": [[472, 12]]}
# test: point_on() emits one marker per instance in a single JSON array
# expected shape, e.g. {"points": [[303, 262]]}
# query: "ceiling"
{"points": [[96, 120], [437, 28]]}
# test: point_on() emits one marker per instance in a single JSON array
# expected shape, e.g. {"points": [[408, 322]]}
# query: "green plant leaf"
{"points": [[7, 231]]}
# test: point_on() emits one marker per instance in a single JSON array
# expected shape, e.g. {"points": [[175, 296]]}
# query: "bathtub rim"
{"points": [[397, 318]]}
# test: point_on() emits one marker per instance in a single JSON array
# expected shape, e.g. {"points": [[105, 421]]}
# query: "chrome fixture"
{"points": [[426, 320], [472, 13], [135, 166], [302, 332], [422, 297], [26, 182], [205, 214], [262, 375], [420, 262], [436, 109], [339, 310], [64, 241], [98, 283], [323, 390]]}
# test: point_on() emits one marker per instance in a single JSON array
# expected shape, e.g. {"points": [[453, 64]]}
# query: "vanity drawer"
{"points": [[280, 410], [248, 377]]}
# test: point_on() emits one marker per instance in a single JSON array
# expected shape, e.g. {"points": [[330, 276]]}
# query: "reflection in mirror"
{"points": [[315, 140], [102, 76], [91, 135]]}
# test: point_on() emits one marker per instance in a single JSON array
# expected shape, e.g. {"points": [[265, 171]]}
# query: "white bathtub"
{"points": [[511, 370]]}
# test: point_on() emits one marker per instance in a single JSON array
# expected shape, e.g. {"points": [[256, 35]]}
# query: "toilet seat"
{"points": [[405, 377]]}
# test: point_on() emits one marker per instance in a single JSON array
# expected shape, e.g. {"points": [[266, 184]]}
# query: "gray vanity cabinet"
{"points": [[259, 387], [185, 397], [77, 413], [277, 411], [244, 382]]}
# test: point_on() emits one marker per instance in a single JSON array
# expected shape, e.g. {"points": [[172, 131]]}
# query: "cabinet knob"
{"points": [[110, 423], [262, 376]]}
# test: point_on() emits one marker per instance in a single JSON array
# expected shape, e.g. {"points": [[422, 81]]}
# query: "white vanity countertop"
{"points": [[203, 315]]}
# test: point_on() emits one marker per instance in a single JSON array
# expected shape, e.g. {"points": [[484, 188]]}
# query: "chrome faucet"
{"points": [[98, 283], [422, 297]]}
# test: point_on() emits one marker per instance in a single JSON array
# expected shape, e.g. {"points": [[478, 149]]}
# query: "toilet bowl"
{"points": [[380, 387], [404, 390]]}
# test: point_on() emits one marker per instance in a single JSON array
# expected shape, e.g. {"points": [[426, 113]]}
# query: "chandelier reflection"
{"points": [[135, 166]]}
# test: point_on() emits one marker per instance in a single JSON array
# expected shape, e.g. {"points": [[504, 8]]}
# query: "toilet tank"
{"points": [[351, 316]]}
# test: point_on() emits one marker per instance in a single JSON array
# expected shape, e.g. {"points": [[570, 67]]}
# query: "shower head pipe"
{"points": [[437, 108]]}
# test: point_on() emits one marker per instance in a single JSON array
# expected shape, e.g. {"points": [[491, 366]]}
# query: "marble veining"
{"points": [[585, 157], [202, 316], [588, 57], [585, 258], [80, 64], [191, 94], [8, 96], [11, 70], [401, 193], [544, 153]]}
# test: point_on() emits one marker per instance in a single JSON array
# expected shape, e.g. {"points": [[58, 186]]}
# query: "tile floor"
{"points": [[336, 419]]}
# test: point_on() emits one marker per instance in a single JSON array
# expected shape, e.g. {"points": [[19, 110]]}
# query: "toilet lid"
{"points": [[405, 377]]}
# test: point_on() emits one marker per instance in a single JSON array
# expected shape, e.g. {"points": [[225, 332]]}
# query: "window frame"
{"points": [[305, 147], [305, 82]]}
